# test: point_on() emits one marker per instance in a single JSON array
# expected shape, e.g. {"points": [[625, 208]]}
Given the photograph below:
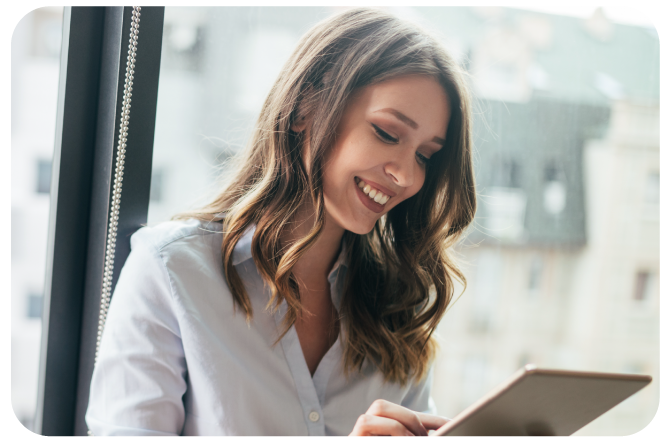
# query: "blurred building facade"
{"points": [[563, 259]]}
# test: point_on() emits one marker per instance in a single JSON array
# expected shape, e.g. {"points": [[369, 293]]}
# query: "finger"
{"points": [[431, 422], [401, 414], [367, 425]]}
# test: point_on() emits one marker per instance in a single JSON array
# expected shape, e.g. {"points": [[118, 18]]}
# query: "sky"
{"points": [[618, 14]]}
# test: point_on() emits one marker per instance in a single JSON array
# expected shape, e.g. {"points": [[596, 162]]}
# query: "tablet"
{"points": [[544, 402]]}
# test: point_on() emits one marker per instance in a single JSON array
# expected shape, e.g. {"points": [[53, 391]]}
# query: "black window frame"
{"points": [[91, 83]]}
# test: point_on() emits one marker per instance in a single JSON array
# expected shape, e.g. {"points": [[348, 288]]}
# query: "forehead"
{"points": [[420, 98]]}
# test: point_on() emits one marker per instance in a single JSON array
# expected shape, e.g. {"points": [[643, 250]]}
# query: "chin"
{"points": [[361, 228], [356, 226], [360, 224]]}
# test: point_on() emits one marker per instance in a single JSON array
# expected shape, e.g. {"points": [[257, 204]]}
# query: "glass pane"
{"points": [[217, 66], [567, 164], [36, 46]]}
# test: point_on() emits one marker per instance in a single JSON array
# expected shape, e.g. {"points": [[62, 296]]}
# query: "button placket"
{"points": [[303, 381]]}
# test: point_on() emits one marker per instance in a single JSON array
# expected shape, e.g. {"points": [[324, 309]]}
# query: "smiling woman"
{"points": [[308, 290], [383, 151], [284, 177]]}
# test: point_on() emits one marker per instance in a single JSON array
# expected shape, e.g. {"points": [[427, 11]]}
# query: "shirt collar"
{"points": [[336, 286], [243, 252], [342, 260]]}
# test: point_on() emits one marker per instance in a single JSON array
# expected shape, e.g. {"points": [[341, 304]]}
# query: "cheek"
{"points": [[342, 164], [336, 171]]}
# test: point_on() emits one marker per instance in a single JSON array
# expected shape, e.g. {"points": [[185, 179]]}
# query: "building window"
{"points": [[43, 176], [505, 200], [34, 306], [507, 173], [506, 208], [642, 286], [554, 193], [535, 276]]}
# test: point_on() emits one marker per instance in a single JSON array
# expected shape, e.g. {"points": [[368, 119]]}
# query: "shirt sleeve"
{"points": [[140, 377], [419, 398]]}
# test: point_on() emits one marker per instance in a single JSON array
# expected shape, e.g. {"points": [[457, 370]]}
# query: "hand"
{"points": [[385, 418]]}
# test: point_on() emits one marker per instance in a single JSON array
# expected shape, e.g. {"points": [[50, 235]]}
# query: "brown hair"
{"points": [[400, 275]]}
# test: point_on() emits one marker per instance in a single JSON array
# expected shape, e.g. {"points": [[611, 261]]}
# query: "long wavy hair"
{"points": [[400, 276]]}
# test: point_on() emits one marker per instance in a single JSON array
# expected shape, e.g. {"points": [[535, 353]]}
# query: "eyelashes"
{"points": [[388, 139], [384, 136], [422, 159]]}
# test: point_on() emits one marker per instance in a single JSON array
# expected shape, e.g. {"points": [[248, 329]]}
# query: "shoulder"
{"points": [[183, 248], [168, 236], [182, 257]]}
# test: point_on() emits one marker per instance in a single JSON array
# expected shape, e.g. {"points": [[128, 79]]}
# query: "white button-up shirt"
{"points": [[177, 356]]}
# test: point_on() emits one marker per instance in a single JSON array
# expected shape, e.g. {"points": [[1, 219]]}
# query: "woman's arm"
{"points": [[140, 376]]}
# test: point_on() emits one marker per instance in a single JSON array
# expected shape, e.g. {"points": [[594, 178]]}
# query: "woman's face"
{"points": [[387, 135]]}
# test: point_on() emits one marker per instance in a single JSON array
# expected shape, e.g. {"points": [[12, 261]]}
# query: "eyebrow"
{"points": [[409, 122]]}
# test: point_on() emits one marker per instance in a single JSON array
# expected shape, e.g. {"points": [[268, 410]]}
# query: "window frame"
{"points": [[91, 84]]}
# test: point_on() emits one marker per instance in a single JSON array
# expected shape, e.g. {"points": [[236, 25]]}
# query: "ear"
{"points": [[304, 111], [299, 125]]}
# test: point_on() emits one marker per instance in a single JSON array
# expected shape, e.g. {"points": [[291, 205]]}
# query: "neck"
{"points": [[313, 267]]}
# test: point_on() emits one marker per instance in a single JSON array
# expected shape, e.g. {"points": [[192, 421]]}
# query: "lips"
{"points": [[371, 195], [376, 186]]}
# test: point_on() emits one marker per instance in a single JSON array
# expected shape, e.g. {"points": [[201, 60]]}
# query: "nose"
{"points": [[402, 169]]}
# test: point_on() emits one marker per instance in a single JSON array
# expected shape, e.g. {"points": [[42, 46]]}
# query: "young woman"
{"points": [[303, 299]]}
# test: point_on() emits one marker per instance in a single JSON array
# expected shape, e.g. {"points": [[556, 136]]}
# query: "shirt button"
{"points": [[314, 416]]}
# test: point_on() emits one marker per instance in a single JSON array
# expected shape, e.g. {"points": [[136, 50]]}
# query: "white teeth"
{"points": [[380, 198], [372, 193]]}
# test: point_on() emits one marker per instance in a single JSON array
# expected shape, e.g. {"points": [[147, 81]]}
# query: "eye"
{"points": [[422, 159], [384, 136]]}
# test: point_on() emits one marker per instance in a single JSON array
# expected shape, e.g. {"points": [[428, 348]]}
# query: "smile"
{"points": [[373, 193]]}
